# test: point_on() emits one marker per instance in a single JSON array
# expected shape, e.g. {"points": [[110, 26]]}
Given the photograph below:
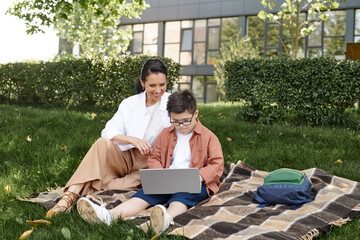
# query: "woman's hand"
{"points": [[143, 145]]}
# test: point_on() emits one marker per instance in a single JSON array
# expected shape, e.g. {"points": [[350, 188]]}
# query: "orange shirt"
{"points": [[206, 154]]}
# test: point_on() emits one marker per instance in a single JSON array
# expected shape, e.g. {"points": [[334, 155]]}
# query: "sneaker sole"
{"points": [[87, 212], [157, 219]]}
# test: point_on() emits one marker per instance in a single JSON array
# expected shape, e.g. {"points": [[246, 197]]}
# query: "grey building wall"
{"points": [[168, 10]]}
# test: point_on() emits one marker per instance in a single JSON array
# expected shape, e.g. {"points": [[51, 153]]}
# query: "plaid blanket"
{"points": [[232, 214]]}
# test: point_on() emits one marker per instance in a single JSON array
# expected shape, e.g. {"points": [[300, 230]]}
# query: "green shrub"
{"points": [[79, 84], [315, 91]]}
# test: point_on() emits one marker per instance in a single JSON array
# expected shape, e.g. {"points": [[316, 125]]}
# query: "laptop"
{"points": [[170, 181]]}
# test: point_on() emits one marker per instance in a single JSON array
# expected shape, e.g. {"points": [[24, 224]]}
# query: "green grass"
{"points": [[45, 162]]}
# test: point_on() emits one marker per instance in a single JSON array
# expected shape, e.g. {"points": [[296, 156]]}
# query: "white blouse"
{"points": [[133, 118], [154, 128]]}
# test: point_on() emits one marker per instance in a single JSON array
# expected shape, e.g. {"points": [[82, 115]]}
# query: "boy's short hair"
{"points": [[178, 102]]}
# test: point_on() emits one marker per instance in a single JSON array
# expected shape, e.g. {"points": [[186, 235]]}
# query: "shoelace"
{"points": [[108, 218], [102, 203], [97, 199], [171, 220]]}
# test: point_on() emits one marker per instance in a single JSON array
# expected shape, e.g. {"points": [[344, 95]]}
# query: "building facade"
{"points": [[191, 32]]}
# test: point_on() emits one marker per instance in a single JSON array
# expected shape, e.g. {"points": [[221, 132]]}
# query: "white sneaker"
{"points": [[159, 219], [92, 212]]}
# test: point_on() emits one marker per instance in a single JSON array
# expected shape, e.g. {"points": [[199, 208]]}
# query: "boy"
{"points": [[185, 144]]}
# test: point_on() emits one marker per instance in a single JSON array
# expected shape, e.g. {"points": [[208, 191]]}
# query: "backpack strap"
{"points": [[260, 200]]}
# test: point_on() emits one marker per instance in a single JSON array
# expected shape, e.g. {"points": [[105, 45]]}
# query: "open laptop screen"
{"points": [[170, 181]]}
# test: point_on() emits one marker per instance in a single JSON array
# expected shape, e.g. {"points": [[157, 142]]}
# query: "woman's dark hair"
{"points": [[152, 65], [178, 102]]}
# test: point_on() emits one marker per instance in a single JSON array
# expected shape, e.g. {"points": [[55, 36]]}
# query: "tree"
{"points": [[289, 16], [237, 47], [94, 24]]}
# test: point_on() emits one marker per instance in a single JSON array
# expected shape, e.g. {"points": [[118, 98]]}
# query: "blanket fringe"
{"points": [[310, 235], [340, 222]]}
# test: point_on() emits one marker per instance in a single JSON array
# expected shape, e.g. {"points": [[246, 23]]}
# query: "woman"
{"points": [[114, 159]]}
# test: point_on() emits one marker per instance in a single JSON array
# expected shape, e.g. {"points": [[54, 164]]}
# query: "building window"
{"points": [[197, 41], [286, 44], [275, 40], [271, 39], [186, 42], [203, 87], [256, 31], [334, 35], [137, 47], [197, 87], [357, 26], [172, 40], [150, 38], [211, 94], [229, 28], [213, 39], [128, 29], [145, 38]]}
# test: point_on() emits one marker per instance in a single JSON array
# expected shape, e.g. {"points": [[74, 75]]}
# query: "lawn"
{"points": [[40, 149]]}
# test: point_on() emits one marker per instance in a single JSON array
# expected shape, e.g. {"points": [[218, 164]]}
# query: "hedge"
{"points": [[315, 91], [78, 84]]}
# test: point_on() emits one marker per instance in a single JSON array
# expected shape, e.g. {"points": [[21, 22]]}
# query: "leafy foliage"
{"points": [[92, 24], [289, 17], [238, 47], [81, 84], [44, 13], [315, 91]]}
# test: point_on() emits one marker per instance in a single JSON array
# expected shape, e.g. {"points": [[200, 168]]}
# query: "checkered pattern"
{"points": [[232, 214]]}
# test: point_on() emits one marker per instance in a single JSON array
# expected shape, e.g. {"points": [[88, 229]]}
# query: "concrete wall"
{"points": [[168, 10]]}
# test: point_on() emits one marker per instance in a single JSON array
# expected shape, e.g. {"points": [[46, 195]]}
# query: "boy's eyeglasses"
{"points": [[184, 123]]}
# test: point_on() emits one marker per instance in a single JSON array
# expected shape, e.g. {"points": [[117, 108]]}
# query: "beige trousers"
{"points": [[106, 167]]}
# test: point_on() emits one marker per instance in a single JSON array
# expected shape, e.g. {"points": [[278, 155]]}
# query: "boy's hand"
{"points": [[201, 179]]}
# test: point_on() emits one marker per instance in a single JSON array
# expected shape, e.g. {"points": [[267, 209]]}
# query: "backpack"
{"points": [[284, 186]]}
